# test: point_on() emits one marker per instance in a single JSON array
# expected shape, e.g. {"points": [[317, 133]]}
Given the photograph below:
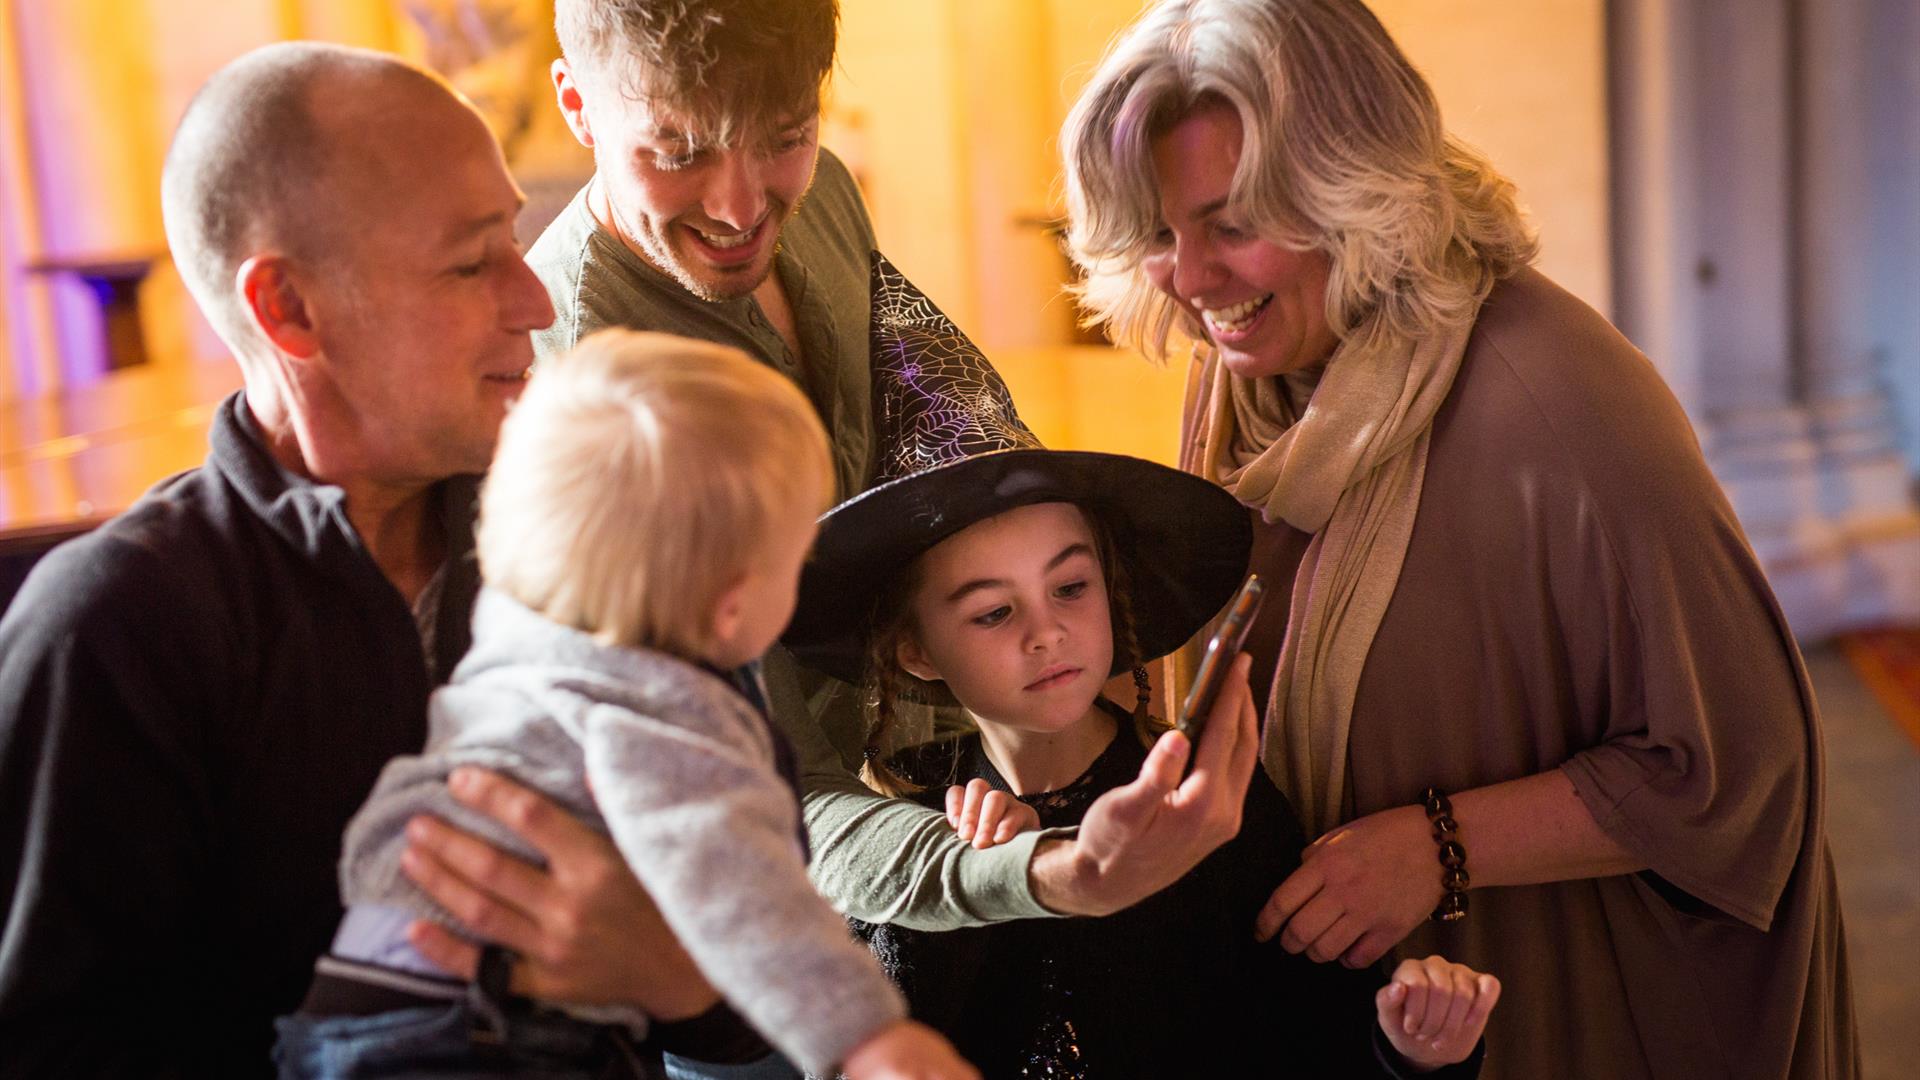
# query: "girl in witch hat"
{"points": [[1019, 580]]}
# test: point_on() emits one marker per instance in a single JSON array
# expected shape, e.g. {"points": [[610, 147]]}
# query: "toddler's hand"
{"points": [[1433, 1011], [904, 1050], [985, 817]]}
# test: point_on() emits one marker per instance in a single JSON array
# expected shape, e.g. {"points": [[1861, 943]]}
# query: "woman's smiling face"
{"points": [[1263, 305]]}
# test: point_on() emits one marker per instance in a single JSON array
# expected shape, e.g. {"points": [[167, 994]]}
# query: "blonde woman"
{"points": [[1531, 691]]}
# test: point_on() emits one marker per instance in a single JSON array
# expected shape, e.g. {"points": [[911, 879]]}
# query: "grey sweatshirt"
{"points": [[679, 769]]}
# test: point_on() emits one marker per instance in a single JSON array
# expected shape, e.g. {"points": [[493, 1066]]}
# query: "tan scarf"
{"points": [[1348, 470]]}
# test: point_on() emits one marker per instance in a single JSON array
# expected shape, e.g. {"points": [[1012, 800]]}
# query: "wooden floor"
{"points": [[1873, 803]]}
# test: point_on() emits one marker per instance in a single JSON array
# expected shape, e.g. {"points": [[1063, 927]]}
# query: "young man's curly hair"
{"points": [[725, 67]]}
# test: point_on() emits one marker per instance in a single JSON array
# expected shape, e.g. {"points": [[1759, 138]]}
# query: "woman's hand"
{"points": [[583, 929], [904, 1050], [1362, 887], [1359, 891], [986, 816], [1433, 1011]]}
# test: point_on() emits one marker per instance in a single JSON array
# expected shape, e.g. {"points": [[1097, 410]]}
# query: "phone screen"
{"points": [[1225, 645]]}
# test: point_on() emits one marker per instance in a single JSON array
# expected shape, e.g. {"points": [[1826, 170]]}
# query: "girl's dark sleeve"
{"points": [[1321, 1016], [1328, 1024]]}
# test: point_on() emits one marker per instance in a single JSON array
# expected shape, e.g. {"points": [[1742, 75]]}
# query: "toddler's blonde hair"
{"points": [[639, 477]]}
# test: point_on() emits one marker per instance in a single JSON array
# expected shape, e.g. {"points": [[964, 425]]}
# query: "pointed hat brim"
{"points": [[1185, 542]]}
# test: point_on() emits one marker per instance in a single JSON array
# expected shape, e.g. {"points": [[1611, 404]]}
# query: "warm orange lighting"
{"points": [[1083, 397], [59, 448]]}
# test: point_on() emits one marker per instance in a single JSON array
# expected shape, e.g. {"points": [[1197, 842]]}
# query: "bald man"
{"points": [[196, 697]]}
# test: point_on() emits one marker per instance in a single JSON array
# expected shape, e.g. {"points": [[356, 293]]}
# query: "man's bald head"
{"points": [[250, 168]]}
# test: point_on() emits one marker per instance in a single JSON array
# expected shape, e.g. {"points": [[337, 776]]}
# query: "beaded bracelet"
{"points": [[1453, 857]]}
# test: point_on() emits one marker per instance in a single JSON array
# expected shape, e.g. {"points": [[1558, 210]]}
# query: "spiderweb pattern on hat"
{"points": [[936, 397]]}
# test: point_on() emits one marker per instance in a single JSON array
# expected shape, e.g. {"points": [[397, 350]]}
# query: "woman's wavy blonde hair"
{"points": [[1342, 152]]}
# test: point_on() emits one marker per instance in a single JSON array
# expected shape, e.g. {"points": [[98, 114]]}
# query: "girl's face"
{"points": [[1011, 613]]}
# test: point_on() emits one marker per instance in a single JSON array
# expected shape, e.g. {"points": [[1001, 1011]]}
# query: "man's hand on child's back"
{"points": [[1433, 1011], [584, 930], [985, 816], [905, 1050]]}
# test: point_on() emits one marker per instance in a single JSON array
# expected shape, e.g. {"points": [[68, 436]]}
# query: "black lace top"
{"points": [[1175, 986]]}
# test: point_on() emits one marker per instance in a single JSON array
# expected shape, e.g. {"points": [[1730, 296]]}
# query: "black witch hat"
{"points": [[954, 452]]}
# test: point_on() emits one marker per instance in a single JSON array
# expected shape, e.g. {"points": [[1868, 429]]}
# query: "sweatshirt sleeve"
{"points": [[709, 828], [886, 860]]}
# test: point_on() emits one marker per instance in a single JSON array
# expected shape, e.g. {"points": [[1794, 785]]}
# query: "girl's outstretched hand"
{"points": [[1143, 836], [1433, 1011], [985, 816]]}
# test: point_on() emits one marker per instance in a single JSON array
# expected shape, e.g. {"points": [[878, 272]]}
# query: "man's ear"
{"points": [[914, 660], [275, 305], [566, 90]]}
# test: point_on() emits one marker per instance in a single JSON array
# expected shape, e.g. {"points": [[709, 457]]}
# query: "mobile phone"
{"points": [[1226, 644]]}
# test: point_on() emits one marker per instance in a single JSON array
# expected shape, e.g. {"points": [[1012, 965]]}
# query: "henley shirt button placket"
{"points": [[780, 350], [768, 335]]}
